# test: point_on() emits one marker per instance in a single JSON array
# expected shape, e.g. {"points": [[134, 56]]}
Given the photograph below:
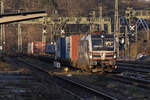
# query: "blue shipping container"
{"points": [[58, 47], [61, 47], [50, 48]]}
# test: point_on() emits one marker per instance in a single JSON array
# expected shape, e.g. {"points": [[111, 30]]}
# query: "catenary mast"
{"points": [[116, 27]]}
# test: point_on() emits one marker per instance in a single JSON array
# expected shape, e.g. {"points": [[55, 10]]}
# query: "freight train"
{"points": [[91, 52]]}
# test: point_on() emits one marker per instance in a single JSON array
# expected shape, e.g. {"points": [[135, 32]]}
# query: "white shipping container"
{"points": [[58, 48], [67, 47], [30, 48]]}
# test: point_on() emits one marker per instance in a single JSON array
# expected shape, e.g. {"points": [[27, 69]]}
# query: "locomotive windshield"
{"points": [[102, 42]]}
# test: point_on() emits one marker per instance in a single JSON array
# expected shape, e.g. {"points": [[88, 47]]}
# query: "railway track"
{"points": [[139, 81], [145, 84], [133, 73], [133, 81], [134, 67], [73, 88], [21, 85], [27, 85], [84, 85]]}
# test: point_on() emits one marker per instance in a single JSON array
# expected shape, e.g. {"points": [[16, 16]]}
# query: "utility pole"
{"points": [[2, 35], [92, 25], [100, 7], [44, 31], [19, 38], [51, 34], [126, 42], [116, 27], [148, 32], [136, 32], [44, 35]]}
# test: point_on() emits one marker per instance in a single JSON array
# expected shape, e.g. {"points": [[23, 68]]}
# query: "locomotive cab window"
{"points": [[102, 42]]}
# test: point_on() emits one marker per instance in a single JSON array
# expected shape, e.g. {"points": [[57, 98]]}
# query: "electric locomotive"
{"points": [[96, 52]]}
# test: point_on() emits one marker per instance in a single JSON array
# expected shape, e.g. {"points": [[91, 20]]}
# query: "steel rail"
{"points": [[106, 96], [134, 67], [132, 81], [45, 71]]}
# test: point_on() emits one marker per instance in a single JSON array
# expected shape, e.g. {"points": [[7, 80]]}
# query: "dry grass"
{"points": [[24, 70], [6, 67], [111, 86]]}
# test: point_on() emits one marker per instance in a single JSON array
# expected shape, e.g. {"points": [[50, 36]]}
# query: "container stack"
{"points": [[39, 47], [67, 47], [36, 47]]}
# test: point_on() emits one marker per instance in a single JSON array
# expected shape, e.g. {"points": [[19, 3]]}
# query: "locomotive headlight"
{"points": [[90, 56], [102, 36], [115, 56]]}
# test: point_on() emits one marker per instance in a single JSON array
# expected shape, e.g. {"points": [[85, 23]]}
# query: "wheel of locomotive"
{"points": [[83, 67], [103, 69], [109, 69], [78, 65], [74, 64], [90, 68]]}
